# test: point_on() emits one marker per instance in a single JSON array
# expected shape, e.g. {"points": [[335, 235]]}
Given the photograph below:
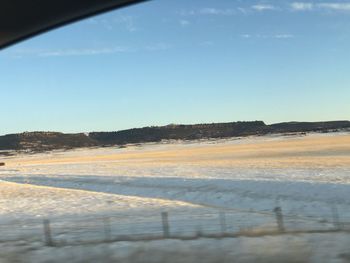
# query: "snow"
{"points": [[308, 248], [308, 176], [25, 201]]}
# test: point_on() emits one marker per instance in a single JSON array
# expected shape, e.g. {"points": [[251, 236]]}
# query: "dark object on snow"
{"points": [[2, 164]]}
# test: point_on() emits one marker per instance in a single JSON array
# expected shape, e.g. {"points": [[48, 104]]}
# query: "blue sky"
{"points": [[182, 61]]}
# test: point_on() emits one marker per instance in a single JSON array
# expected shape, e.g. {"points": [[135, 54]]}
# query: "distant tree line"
{"points": [[44, 141]]}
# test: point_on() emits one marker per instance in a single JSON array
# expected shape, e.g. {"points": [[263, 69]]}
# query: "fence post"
{"points": [[165, 224], [279, 218], [223, 222], [47, 233], [199, 231], [107, 229], [335, 214]]}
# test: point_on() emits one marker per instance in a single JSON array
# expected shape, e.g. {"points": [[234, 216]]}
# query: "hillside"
{"points": [[44, 141], [180, 132]]}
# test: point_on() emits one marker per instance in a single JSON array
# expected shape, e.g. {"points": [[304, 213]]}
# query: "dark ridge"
{"points": [[308, 126], [180, 132], [46, 141]]}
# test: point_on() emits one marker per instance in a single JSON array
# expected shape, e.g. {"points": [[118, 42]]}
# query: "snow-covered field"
{"points": [[303, 174], [308, 176], [316, 248]]}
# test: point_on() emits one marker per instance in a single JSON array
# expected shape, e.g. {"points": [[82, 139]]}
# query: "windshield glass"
{"points": [[173, 120]]}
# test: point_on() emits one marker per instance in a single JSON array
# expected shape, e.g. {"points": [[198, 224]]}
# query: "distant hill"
{"points": [[308, 126], [180, 132], [44, 141]]}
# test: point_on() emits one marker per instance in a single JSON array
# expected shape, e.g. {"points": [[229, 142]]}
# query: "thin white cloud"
{"points": [[263, 7], [125, 22], [228, 11], [20, 53], [91, 21], [209, 11], [329, 6], [184, 22], [157, 47], [216, 11], [187, 13], [301, 6], [83, 52], [283, 36], [267, 36], [335, 6], [246, 36], [294, 6], [242, 10]]}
